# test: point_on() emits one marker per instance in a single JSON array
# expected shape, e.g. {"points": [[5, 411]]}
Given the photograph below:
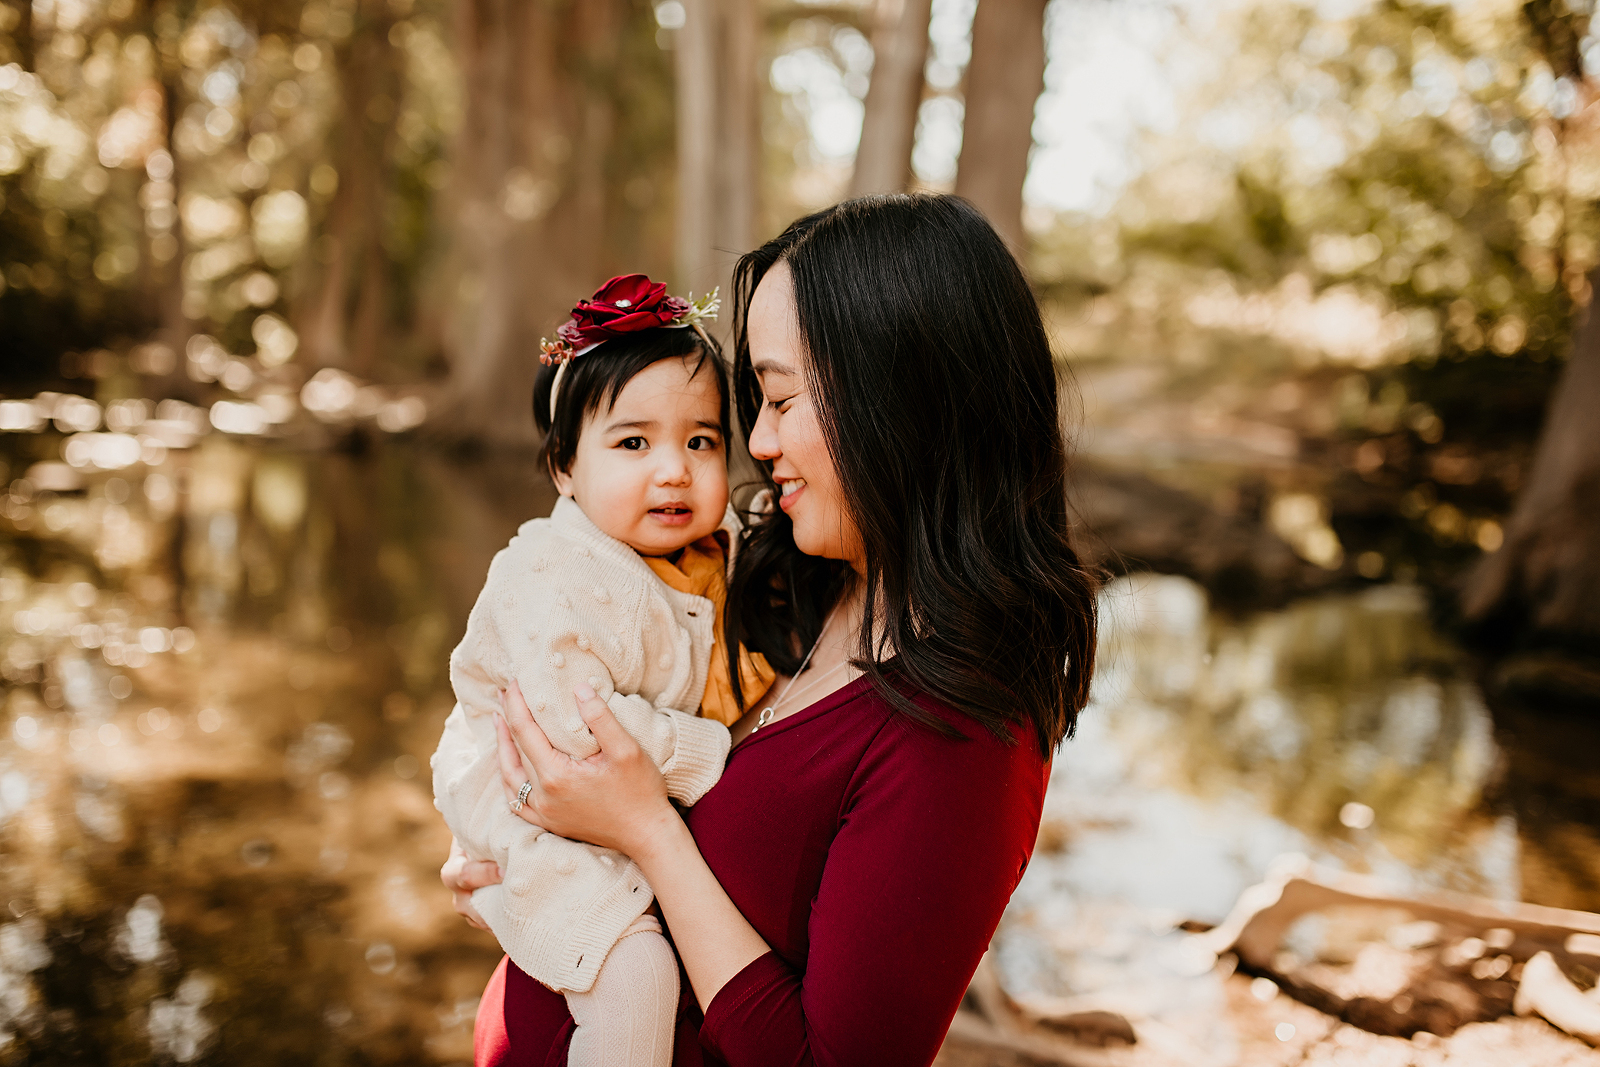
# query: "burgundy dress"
{"points": [[873, 855]]}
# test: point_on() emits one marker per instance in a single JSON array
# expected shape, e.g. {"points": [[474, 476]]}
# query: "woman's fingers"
{"points": [[513, 771], [597, 715], [541, 755]]}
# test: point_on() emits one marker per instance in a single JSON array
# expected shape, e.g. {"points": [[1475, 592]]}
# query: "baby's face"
{"points": [[653, 471]]}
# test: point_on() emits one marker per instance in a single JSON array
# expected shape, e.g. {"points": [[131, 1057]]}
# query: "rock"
{"points": [[1545, 990]]}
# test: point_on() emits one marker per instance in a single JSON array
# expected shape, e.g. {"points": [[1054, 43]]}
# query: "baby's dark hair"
{"points": [[598, 377]]}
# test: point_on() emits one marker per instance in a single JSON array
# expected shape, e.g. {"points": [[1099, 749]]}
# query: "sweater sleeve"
{"points": [[536, 626], [933, 838]]}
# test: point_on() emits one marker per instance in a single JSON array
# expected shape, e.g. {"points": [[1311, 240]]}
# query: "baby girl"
{"points": [[621, 588]]}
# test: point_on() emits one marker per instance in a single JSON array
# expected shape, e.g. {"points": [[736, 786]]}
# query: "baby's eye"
{"points": [[633, 444], [702, 443]]}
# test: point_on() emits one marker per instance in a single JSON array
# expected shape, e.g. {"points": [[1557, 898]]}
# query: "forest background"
{"points": [[272, 280], [1331, 294]]}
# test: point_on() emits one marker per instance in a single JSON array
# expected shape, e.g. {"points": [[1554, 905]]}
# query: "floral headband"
{"points": [[626, 304]]}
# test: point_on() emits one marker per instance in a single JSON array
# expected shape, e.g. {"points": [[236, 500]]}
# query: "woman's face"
{"points": [[788, 432]]}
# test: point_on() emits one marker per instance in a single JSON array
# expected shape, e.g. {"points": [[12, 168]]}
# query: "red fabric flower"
{"points": [[626, 304]]}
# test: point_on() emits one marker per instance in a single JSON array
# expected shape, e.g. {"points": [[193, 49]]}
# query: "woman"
{"points": [[917, 590]]}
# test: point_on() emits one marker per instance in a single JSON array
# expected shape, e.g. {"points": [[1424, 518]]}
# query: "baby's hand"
{"points": [[461, 876]]}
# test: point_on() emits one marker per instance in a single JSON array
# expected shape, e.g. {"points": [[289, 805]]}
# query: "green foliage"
{"points": [[1402, 201], [169, 168]]}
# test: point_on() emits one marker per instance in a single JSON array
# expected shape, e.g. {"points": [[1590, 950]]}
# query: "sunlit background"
{"points": [[272, 275]]}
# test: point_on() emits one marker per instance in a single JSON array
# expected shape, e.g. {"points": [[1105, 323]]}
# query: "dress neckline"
{"points": [[836, 699]]}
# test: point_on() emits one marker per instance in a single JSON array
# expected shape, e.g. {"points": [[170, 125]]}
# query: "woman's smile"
{"points": [[790, 492]]}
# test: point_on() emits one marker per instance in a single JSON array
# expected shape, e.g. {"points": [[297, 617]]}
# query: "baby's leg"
{"points": [[627, 1017]]}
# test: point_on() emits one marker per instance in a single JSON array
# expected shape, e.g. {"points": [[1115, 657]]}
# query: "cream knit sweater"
{"points": [[565, 603]]}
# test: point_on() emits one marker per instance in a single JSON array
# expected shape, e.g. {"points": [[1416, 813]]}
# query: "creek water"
{"points": [[225, 669]]}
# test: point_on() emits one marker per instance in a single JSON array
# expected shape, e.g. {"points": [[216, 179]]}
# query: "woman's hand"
{"points": [[615, 798], [461, 876]]}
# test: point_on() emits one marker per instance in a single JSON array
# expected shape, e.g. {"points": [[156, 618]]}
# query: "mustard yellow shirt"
{"points": [[701, 570]]}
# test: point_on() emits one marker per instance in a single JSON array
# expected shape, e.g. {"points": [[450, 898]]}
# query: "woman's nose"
{"points": [[764, 436]]}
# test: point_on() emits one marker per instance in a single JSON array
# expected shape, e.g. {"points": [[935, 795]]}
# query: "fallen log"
{"points": [[1545, 990], [1445, 959]]}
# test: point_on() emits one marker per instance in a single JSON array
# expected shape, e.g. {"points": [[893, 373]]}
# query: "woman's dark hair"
{"points": [[934, 383], [598, 377]]}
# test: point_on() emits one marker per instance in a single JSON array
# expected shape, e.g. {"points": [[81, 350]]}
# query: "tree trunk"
{"points": [[22, 32], [696, 47], [369, 71], [1543, 585], [739, 133], [899, 51], [1004, 80], [527, 199], [719, 140], [164, 281]]}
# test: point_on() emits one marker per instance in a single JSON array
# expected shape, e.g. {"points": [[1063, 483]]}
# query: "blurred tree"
{"points": [[186, 173], [1004, 79], [888, 129], [719, 137], [19, 16], [343, 321], [1393, 215], [1544, 582], [528, 228], [566, 126]]}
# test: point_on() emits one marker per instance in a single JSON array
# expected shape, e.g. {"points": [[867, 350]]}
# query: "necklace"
{"points": [[767, 713]]}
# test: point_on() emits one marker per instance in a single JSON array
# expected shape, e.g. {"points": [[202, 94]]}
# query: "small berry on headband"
{"points": [[554, 351]]}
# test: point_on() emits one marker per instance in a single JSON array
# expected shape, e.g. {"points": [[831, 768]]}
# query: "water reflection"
{"points": [[224, 674], [1342, 728], [224, 671]]}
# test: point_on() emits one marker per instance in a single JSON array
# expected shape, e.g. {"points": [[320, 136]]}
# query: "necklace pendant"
{"points": [[766, 716]]}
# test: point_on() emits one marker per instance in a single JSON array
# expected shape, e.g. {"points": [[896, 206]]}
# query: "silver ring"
{"points": [[522, 796]]}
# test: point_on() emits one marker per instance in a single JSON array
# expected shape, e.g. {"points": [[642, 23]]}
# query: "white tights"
{"points": [[627, 1017]]}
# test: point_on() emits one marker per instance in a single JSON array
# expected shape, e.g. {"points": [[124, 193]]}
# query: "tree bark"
{"points": [[1004, 80], [696, 48], [527, 199], [164, 281], [739, 153], [719, 140], [888, 130], [330, 333], [22, 34], [1543, 585]]}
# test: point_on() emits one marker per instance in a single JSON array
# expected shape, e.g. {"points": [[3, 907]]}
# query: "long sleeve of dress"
{"points": [[934, 834]]}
